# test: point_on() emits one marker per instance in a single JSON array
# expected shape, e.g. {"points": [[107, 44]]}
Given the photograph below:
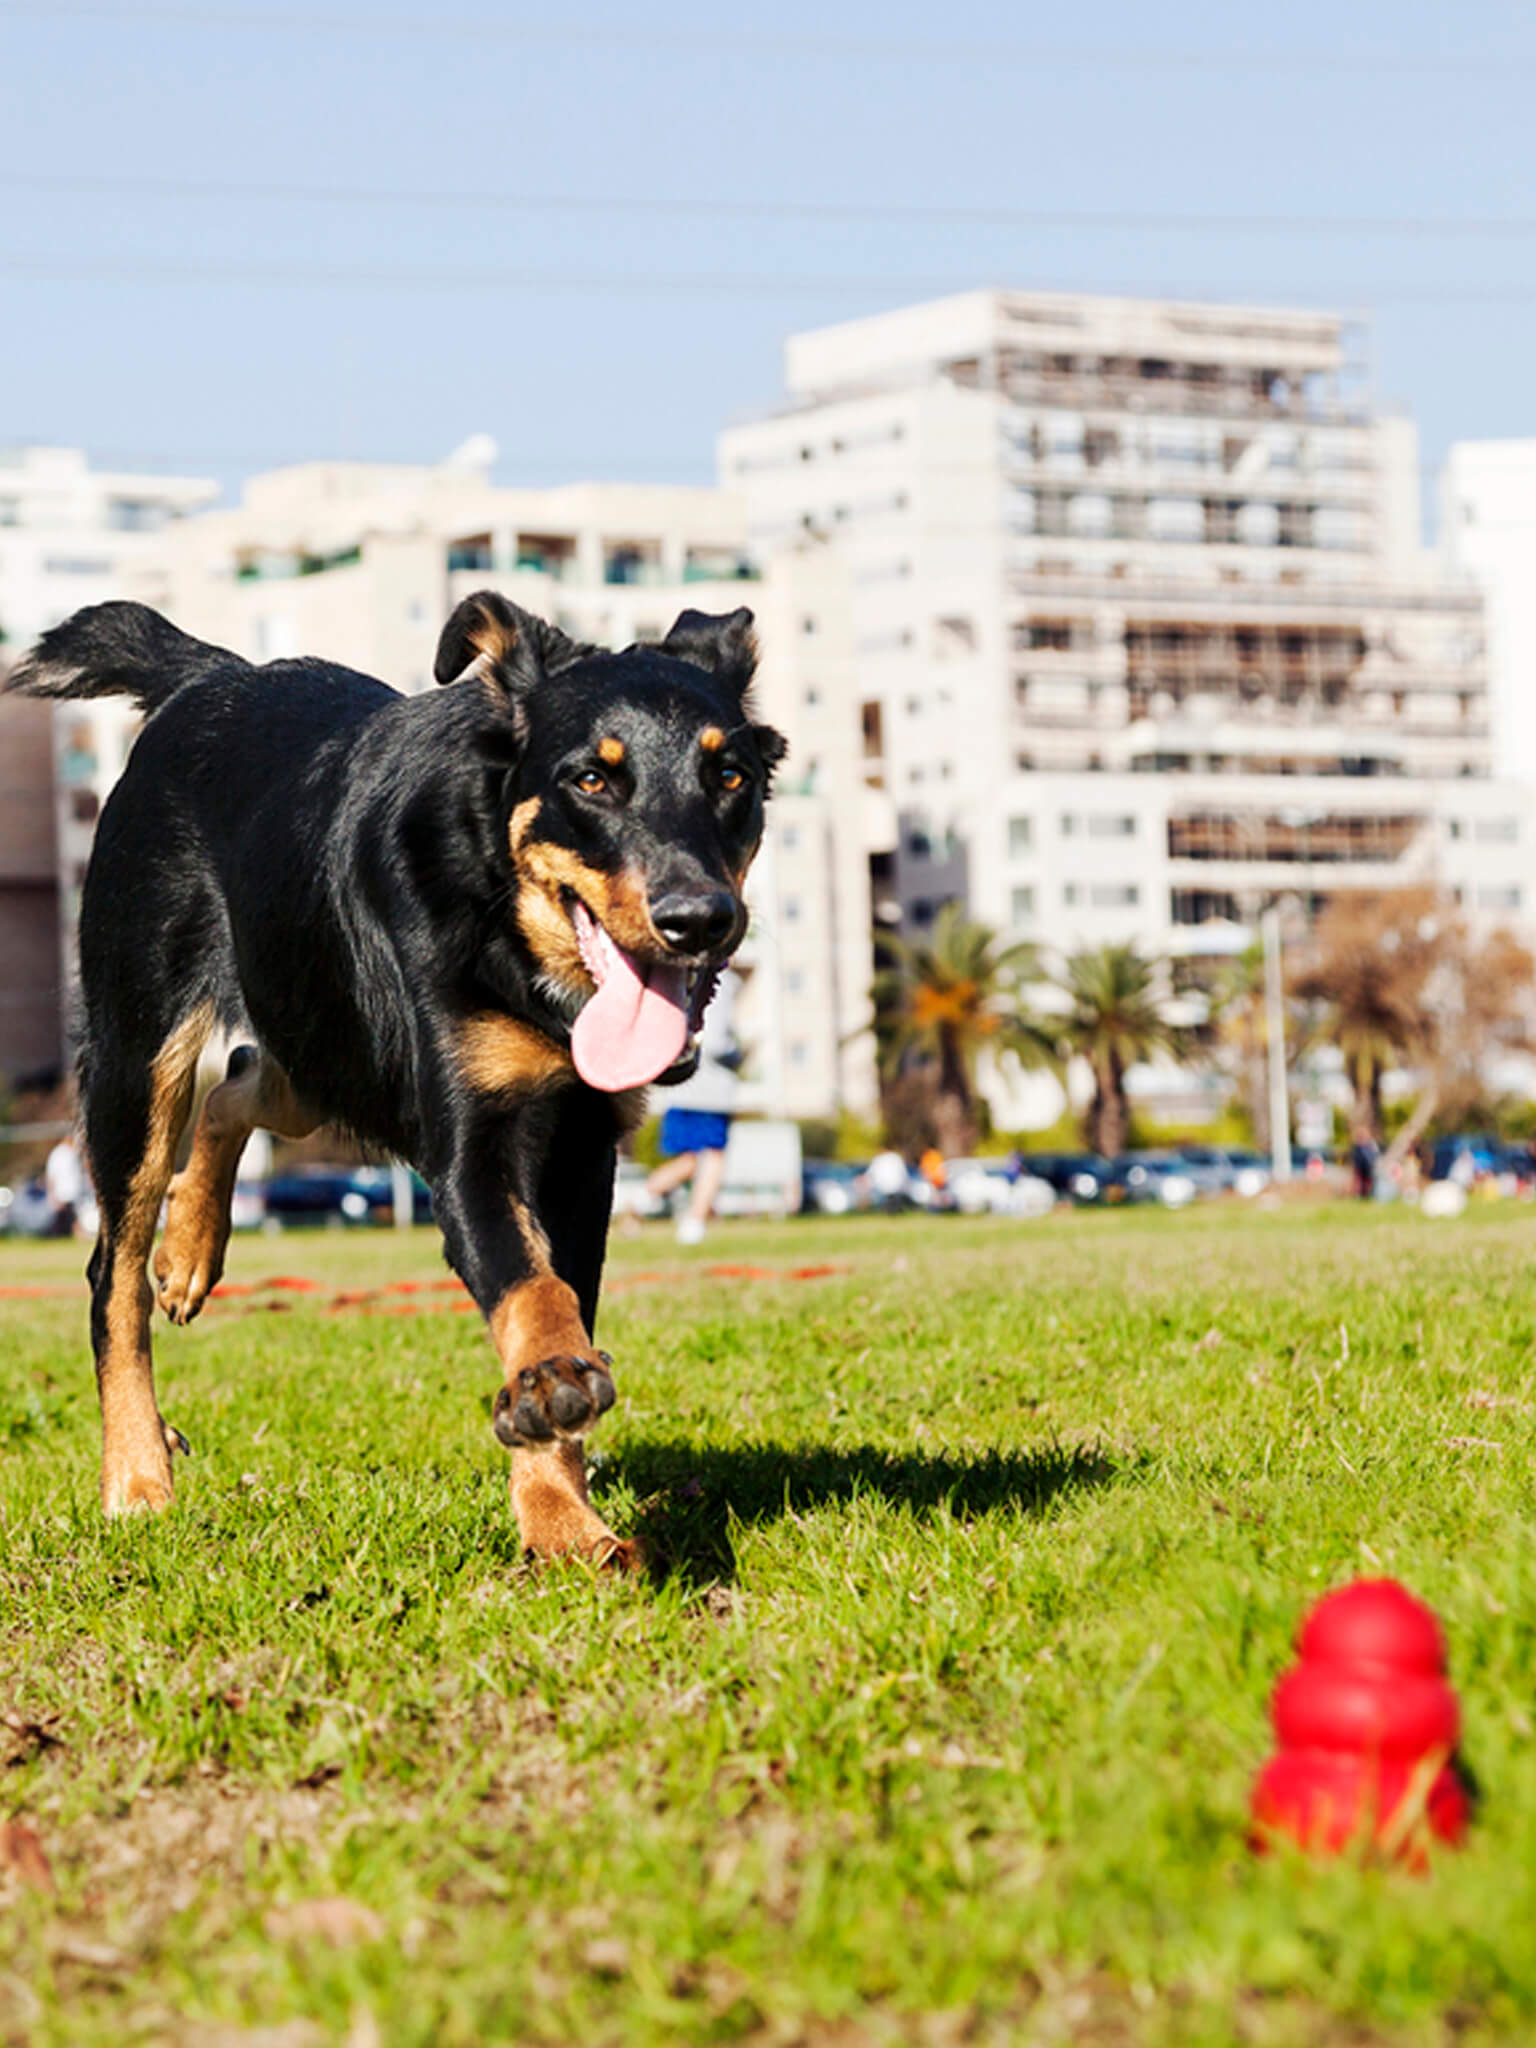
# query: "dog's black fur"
{"points": [[377, 890]]}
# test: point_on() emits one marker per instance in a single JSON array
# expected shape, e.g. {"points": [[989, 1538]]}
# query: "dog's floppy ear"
{"points": [[722, 643], [496, 641], [726, 646]]}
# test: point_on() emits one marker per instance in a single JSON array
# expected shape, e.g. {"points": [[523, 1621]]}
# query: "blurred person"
{"points": [[1363, 1154], [931, 1167], [64, 1186], [696, 1123]]}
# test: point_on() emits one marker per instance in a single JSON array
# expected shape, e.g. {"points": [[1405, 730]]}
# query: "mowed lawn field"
{"points": [[985, 1549]]}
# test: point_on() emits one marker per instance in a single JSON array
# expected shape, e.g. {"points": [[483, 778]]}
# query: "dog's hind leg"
{"points": [[134, 1116], [255, 1094]]}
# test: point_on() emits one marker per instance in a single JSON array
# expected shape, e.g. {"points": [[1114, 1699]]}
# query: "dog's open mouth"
{"points": [[638, 1021]]}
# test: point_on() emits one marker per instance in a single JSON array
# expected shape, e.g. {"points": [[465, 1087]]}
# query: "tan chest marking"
{"points": [[502, 1056]]}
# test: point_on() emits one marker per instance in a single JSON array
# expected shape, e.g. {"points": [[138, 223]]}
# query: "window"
{"points": [[1114, 895], [791, 908], [1090, 514], [812, 696], [1022, 905], [1175, 519], [1499, 896], [1258, 525], [1068, 824], [1069, 894], [135, 515], [789, 838], [1454, 828], [794, 981], [1111, 825], [476, 553], [1021, 834], [799, 1052], [1496, 831]]}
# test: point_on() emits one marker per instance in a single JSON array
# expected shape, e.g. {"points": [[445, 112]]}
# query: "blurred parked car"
{"points": [[1149, 1177], [342, 1194], [25, 1211], [1075, 1176], [1475, 1157], [832, 1187], [1224, 1169], [982, 1187]]}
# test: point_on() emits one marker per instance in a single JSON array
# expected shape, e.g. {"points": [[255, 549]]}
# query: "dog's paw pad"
{"points": [[557, 1398]]}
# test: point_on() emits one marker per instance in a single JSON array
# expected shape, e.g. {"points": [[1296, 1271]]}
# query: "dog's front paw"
{"points": [[558, 1398]]}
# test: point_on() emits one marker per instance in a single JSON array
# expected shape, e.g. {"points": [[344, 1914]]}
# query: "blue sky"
{"points": [[238, 233]]}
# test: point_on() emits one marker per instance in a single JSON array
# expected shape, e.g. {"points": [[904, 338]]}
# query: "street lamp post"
{"points": [[1274, 1036]]}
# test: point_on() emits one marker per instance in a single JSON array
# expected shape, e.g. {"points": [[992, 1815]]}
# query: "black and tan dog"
{"points": [[467, 927]]}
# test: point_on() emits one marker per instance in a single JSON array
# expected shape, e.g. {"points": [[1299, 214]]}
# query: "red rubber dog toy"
{"points": [[1367, 1727]]}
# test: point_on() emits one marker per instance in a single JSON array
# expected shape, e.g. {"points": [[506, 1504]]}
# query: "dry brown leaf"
{"points": [[21, 1850]]}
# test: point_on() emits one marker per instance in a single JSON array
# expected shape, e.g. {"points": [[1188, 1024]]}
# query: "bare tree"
{"points": [[1404, 980]]}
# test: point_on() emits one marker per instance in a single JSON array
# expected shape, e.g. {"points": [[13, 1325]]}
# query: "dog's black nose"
{"points": [[695, 924]]}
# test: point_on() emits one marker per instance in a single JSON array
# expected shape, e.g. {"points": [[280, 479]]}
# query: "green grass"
{"points": [[985, 1551]]}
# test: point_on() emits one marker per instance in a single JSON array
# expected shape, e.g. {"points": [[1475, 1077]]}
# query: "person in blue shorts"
{"points": [[696, 1122]]}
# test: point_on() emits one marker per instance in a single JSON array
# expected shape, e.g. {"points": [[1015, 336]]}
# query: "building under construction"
{"points": [[1146, 633]]}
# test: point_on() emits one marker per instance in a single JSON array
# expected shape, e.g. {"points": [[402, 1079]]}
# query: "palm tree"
{"points": [[1114, 1019], [943, 1000]]}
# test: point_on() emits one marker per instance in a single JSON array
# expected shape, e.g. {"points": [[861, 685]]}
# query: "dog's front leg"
{"points": [[555, 1386], [555, 1383]]}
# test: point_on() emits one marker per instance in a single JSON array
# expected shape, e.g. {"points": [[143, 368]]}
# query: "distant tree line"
{"points": [[1395, 980]]}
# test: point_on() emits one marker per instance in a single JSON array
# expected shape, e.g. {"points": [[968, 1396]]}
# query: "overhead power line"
{"points": [[720, 284], [593, 36], [1076, 218]]}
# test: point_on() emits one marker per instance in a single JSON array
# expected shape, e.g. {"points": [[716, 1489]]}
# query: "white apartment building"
{"points": [[1488, 533], [69, 536], [362, 563], [1145, 635]]}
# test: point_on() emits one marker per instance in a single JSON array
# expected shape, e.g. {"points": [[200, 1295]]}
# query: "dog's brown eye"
{"points": [[590, 783], [732, 779]]}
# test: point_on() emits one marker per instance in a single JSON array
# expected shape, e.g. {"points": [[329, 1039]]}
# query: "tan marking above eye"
{"points": [[610, 750], [711, 739]]}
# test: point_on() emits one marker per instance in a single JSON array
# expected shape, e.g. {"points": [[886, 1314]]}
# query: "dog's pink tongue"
{"points": [[634, 1027]]}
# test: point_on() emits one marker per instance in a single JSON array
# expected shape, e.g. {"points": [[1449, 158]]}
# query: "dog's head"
{"points": [[633, 808]]}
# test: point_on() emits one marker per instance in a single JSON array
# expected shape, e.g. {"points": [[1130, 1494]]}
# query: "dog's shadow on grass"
{"points": [[691, 1495]]}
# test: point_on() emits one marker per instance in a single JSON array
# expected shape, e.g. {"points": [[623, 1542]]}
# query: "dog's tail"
{"points": [[116, 650]]}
